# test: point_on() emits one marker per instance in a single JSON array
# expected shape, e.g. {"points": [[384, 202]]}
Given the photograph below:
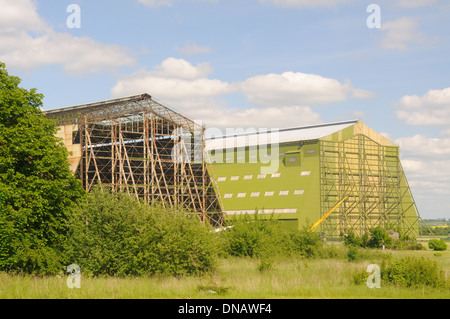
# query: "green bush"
{"points": [[437, 244], [114, 234], [307, 244], [408, 244], [379, 237], [254, 237], [413, 272], [352, 254], [351, 239]]}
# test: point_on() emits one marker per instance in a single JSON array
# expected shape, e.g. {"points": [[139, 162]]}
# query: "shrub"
{"points": [[254, 237], [352, 254], [266, 264], [413, 272], [377, 237], [114, 234], [437, 244], [306, 244], [407, 244], [331, 252], [351, 239]]}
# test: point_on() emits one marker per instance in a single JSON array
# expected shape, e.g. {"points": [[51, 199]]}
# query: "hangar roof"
{"points": [[254, 137]]}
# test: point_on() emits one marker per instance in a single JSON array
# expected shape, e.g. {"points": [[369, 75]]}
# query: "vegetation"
{"points": [[271, 239], [414, 272], [235, 277], [36, 184], [378, 237], [116, 235], [437, 244], [436, 227]]}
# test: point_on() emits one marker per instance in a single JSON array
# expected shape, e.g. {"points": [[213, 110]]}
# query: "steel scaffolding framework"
{"points": [[138, 146], [372, 176]]}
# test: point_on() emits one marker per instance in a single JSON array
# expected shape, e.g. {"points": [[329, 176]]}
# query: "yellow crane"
{"points": [[317, 223]]}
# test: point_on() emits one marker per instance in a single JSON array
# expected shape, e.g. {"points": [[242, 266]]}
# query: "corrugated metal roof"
{"points": [[255, 138]]}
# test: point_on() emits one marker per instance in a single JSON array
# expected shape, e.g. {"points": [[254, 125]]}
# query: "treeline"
{"points": [[378, 237], [435, 231]]}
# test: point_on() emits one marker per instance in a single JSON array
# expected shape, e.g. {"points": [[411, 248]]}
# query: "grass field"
{"points": [[235, 278]]}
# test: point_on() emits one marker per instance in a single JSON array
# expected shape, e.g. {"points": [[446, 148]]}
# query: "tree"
{"points": [[379, 237], [36, 184]]}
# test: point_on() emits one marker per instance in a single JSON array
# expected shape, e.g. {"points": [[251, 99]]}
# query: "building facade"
{"points": [[297, 175], [136, 145]]}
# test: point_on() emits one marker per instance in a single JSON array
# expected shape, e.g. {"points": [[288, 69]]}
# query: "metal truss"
{"points": [[372, 176], [138, 146]]}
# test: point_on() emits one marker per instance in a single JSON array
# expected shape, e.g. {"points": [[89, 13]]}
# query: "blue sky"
{"points": [[254, 63]]}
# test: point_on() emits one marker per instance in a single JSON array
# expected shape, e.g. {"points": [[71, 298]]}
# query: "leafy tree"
{"points": [[379, 237], [36, 184]]}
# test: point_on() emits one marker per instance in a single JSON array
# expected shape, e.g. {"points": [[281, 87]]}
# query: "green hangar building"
{"points": [[137, 145], [299, 174]]}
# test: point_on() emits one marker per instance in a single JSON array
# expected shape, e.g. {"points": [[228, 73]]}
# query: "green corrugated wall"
{"points": [[295, 184]]}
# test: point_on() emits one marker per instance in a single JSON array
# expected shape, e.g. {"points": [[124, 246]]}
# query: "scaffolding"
{"points": [[372, 177], [138, 146]]}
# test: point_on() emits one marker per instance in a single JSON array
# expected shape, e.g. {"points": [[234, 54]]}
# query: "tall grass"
{"points": [[236, 277]]}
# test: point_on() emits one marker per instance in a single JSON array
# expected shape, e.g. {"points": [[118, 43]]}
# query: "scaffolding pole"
{"points": [[372, 177]]}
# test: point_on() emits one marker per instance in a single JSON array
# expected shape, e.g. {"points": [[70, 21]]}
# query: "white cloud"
{"points": [[27, 42], [191, 48], [277, 100], [180, 68], [401, 33], [268, 117], [178, 84], [20, 15], [433, 108], [175, 80], [186, 88], [293, 89], [305, 3], [427, 167], [421, 146], [428, 177]]}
